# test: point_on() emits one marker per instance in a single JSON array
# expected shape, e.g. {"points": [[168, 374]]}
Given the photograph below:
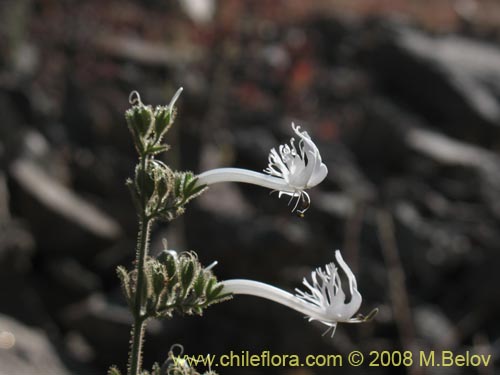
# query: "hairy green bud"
{"points": [[113, 370], [163, 120], [148, 127], [175, 282], [154, 186]]}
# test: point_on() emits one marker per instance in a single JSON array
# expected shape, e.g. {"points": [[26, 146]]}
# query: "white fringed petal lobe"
{"points": [[300, 168]]}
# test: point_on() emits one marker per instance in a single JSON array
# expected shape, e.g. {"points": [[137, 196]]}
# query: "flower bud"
{"points": [[163, 119], [144, 183], [140, 122]]}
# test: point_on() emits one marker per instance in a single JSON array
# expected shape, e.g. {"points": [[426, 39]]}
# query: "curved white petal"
{"points": [[320, 173]]}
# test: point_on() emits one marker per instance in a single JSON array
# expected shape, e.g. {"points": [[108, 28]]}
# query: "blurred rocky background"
{"points": [[403, 98]]}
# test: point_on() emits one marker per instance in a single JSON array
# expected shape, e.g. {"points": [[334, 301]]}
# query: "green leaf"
{"points": [[147, 287], [124, 277], [213, 294], [157, 149], [195, 193], [113, 370], [156, 370], [158, 275], [178, 182], [142, 119], [133, 192], [167, 259], [199, 284], [163, 256], [144, 182], [221, 297], [163, 121], [198, 310], [211, 283], [122, 273], [186, 179], [187, 275], [163, 187], [136, 137], [191, 183]]}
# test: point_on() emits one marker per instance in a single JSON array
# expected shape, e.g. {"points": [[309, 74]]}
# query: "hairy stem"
{"points": [[135, 359], [136, 347]]}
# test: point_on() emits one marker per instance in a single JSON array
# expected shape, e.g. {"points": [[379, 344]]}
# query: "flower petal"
{"points": [[320, 173]]}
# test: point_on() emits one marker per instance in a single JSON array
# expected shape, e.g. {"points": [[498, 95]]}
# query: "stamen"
{"points": [[174, 99], [298, 201], [306, 200], [332, 327], [212, 265]]}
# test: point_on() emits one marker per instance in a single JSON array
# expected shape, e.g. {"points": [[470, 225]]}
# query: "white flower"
{"points": [[325, 300], [300, 169], [290, 172]]}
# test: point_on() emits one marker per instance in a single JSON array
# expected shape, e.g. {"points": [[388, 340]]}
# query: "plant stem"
{"points": [[135, 359], [136, 347]]}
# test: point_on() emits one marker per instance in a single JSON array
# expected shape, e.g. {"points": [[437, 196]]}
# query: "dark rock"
{"points": [[25, 350], [143, 51], [16, 242], [345, 172], [60, 219], [4, 199], [254, 246], [253, 145], [16, 248], [452, 81], [76, 279], [103, 324], [435, 327]]}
